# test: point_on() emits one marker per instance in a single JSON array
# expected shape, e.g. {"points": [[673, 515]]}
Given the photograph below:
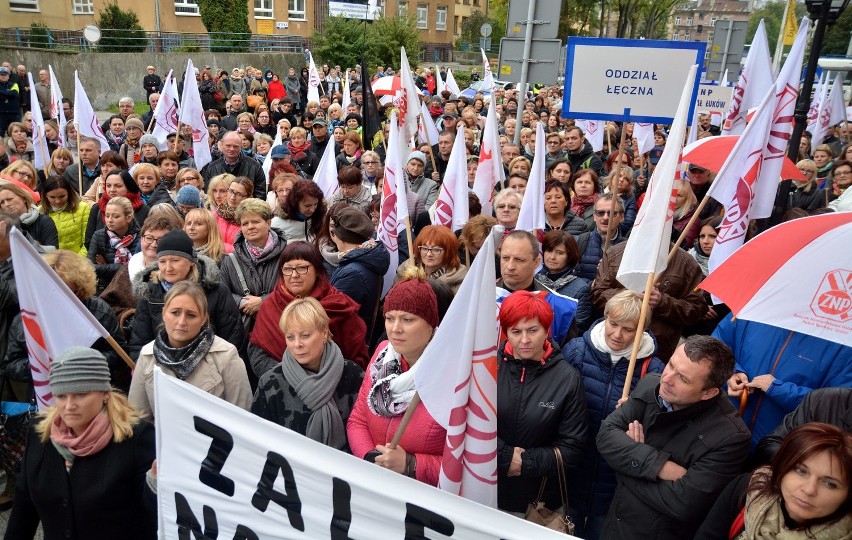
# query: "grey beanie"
{"points": [[190, 196], [149, 139], [78, 370]]}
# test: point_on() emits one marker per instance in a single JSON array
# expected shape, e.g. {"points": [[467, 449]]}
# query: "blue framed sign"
{"points": [[605, 76]]}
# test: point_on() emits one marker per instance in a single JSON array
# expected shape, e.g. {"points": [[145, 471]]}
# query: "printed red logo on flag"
{"points": [[833, 298]]}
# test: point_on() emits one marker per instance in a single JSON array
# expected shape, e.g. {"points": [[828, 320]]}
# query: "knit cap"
{"points": [[177, 243], [149, 139], [78, 370], [189, 196], [353, 226], [417, 154], [413, 296], [134, 122]]}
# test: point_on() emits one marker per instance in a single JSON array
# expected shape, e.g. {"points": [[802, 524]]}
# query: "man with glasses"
{"points": [[68, 109], [234, 162], [700, 181]]}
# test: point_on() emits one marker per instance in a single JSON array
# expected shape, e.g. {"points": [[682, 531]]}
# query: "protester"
{"points": [[19, 201], [88, 455], [561, 256], [200, 226], [558, 216], [411, 315], [305, 210], [541, 407], [116, 184], [685, 206], [176, 261], [313, 389], [59, 201], [239, 189], [805, 193], [217, 191], [666, 482], [110, 162], [352, 189], [425, 187], [187, 348], [304, 275], [112, 246], [507, 208]]}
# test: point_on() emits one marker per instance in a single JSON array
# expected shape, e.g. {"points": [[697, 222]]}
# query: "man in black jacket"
{"points": [[152, 82], [674, 445], [233, 162], [580, 152]]}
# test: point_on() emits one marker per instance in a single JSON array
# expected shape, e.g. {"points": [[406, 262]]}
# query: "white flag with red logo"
{"points": [[532, 217], [460, 390], [648, 246], [53, 318], [594, 132], [451, 208], [644, 133], [427, 131], [326, 174], [267, 161], [166, 112], [409, 100], [192, 114], [487, 76], [439, 82], [813, 111], [775, 151], [832, 111], [394, 207], [84, 116], [755, 79], [490, 171], [451, 83], [42, 154], [56, 110], [313, 79]]}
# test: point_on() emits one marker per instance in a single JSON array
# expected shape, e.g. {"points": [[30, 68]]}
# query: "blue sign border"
{"points": [[698, 46]]}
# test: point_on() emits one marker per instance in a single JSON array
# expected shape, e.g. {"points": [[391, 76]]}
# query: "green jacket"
{"points": [[72, 228]]}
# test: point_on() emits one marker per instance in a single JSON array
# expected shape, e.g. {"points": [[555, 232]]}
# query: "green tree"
{"points": [[40, 36], [578, 18], [340, 42], [837, 37], [471, 26], [387, 34], [120, 30], [771, 13], [227, 23]]}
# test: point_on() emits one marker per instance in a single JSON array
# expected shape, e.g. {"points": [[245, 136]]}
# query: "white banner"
{"points": [[223, 469], [713, 98]]}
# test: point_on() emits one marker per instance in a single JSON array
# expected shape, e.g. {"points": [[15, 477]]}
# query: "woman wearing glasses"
{"points": [[507, 208], [239, 190], [840, 179], [436, 250], [805, 194], [303, 275]]}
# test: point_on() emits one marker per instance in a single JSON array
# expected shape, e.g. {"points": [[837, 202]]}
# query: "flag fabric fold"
{"points": [[755, 79], [192, 114], [594, 133], [451, 208], [394, 206], [84, 116], [56, 110], [267, 161], [490, 171], [427, 131], [53, 318], [532, 216], [347, 92], [41, 154], [648, 245], [408, 102], [460, 390], [487, 76], [326, 174], [166, 112], [644, 133], [451, 83], [791, 25], [370, 112], [439, 82], [313, 79]]}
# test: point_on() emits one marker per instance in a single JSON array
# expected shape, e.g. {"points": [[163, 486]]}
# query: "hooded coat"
{"points": [[360, 275]]}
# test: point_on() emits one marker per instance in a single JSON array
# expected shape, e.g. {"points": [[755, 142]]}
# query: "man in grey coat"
{"points": [[674, 444]]}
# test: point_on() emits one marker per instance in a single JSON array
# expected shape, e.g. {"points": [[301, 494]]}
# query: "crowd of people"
{"points": [[258, 289]]}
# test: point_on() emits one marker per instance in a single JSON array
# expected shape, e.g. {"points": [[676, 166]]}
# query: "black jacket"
{"points": [[707, 438], [152, 83], [245, 166], [71, 174], [540, 405], [159, 195], [104, 497], [360, 276], [43, 230], [224, 314], [96, 220], [585, 158], [9, 307], [260, 276], [100, 245]]}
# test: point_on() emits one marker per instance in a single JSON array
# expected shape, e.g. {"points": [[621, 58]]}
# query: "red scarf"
{"points": [[135, 201], [342, 311], [580, 204], [435, 111], [298, 154]]}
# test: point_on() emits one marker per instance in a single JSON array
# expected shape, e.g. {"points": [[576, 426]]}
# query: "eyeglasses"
{"points": [[431, 250], [233, 193], [24, 174], [602, 213], [151, 239], [370, 162], [807, 171], [508, 207], [301, 270]]}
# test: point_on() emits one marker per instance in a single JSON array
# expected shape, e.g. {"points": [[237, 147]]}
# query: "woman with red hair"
{"points": [[436, 251], [541, 406]]}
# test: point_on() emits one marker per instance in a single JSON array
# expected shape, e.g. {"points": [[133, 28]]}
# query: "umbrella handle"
{"points": [[743, 401]]}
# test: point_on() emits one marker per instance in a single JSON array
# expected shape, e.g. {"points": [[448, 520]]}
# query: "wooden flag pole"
{"points": [[408, 236], [177, 134], [406, 419], [637, 341], [613, 182], [151, 122], [79, 166], [429, 142], [689, 225], [117, 348]]}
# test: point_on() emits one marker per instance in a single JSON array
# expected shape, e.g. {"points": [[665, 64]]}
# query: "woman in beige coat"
{"points": [[188, 349]]}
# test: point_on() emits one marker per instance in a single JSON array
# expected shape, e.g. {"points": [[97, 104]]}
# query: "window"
{"points": [[186, 7], [476, 2], [402, 9], [675, 36], [423, 16], [83, 7], [677, 21], [686, 36], [297, 9], [23, 5], [713, 21], [263, 9], [689, 21], [441, 18]]}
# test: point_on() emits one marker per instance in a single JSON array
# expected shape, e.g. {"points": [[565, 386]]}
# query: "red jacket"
{"points": [[423, 437], [275, 90]]}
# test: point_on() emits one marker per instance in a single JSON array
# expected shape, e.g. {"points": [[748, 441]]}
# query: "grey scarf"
{"points": [[182, 360], [316, 390]]}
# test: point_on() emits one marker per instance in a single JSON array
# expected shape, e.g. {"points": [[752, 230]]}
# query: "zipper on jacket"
{"points": [[523, 372]]}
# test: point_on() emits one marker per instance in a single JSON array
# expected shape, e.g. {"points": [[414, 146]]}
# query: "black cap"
{"points": [[176, 242]]}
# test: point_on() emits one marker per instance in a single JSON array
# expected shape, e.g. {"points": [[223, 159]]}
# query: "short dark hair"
{"points": [[301, 250], [707, 348], [167, 154], [114, 158], [554, 239], [583, 172], [349, 175], [529, 237]]}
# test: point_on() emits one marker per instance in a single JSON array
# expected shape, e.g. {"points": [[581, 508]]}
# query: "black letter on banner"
{"points": [[187, 523], [341, 519], [290, 500], [418, 519], [244, 533], [211, 468]]}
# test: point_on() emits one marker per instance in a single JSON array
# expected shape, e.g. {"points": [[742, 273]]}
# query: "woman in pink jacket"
{"points": [[239, 190], [411, 315]]}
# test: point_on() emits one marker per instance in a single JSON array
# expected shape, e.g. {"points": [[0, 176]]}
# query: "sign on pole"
{"points": [[543, 63], [603, 77], [354, 9], [713, 98]]}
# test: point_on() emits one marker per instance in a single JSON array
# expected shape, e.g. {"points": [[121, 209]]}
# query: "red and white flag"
{"points": [[594, 132], [755, 79], [832, 111], [427, 131], [84, 116], [487, 76], [490, 171], [54, 319], [644, 133], [648, 246], [813, 111], [56, 110], [451, 83], [313, 79], [326, 174], [409, 100], [451, 209], [394, 207], [532, 217], [42, 154], [460, 390], [166, 112], [192, 114]]}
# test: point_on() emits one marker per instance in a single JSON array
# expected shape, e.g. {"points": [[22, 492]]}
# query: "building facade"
{"points": [[696, 20]]}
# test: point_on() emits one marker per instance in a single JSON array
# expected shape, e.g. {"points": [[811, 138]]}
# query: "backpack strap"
{"points": [[240, 275], [644, 370]]}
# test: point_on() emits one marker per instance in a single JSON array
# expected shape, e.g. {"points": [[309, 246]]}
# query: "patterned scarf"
{"points": [[70, 446], [581, 204], [256, 253], [225, 212], [182, 360], [120, 245], [391, 389], [298, 154]]}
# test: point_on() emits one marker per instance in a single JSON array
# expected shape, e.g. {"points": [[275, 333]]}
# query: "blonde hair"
{"points": [[691, 200], [223, 179], [253, 206], [23, 164], [75, 271], [248, 115], [625, 306], [146, 167], [122, 417], [123, 203], [304, 313], [215, 247], [298, 131]]}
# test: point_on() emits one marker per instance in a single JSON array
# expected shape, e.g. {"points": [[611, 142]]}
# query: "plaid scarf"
{"points": [[120, 245]]}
